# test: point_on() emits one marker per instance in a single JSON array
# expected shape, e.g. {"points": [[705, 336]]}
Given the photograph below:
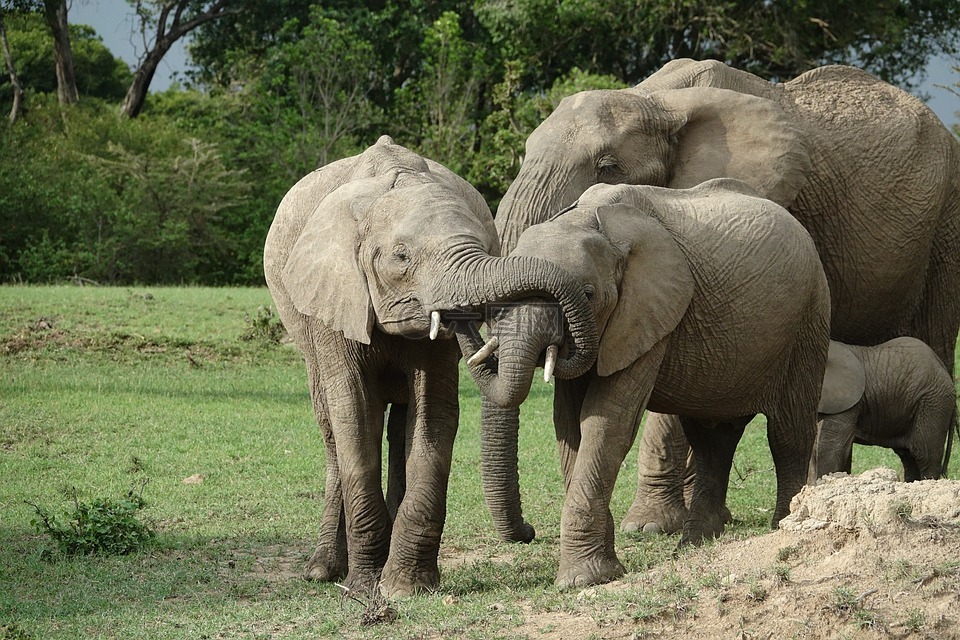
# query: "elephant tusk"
{"points": [[434, 324], [550, 361], [484, 352]]}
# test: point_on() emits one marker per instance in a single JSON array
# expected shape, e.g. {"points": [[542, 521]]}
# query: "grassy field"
{"points": [[102, 389]]}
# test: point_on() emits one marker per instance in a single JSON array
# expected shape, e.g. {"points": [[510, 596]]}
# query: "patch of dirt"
{"points": [[859, 557]]}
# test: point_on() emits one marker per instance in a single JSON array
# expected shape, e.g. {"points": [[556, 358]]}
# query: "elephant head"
{"points": [[397, 242], [669, 137]]}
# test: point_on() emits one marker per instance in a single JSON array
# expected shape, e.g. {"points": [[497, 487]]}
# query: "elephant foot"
{"points": [[587, 572], [325, 565], [650, 515], [397, 583], [698, 529]]}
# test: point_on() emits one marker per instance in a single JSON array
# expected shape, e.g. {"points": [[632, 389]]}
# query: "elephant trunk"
{"points": [[506, 380], [501, 478]]}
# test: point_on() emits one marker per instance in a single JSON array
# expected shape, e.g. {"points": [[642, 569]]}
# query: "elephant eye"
{"points": [[588, 292], [608, 169], [400, 253]]}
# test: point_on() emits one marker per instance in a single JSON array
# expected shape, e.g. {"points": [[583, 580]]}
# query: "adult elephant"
{"points": [[868, 170], [373, 262], [711, 303]]}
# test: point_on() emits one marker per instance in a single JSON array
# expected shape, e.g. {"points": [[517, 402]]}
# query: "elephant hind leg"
{"points": [[713, 445], [664, 467], [329, 560]]}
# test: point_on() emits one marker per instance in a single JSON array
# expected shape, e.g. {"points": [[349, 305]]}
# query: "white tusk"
{"points": [[434, 324], [484, 352], [549, 362]]}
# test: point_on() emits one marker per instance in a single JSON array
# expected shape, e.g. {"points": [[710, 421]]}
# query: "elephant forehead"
{"points": [[425, 208]]}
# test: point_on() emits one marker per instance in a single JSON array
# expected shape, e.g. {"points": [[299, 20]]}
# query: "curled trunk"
{"points": [[506, 381]]}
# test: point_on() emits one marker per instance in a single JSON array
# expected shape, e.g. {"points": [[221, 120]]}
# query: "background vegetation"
{"points": [[165, 391], [183, 187]]}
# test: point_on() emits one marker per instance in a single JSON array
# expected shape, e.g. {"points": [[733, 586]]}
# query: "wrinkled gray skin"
{"points": [[359, 255], [869, 170], [711, 303], [896, 395]]}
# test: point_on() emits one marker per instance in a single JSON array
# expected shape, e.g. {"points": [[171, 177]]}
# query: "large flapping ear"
{"points": [[843, 380], [323, 275], [737, 135], [655, 289]]}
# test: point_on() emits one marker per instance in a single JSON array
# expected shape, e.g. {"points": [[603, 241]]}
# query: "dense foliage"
{"points": [[185, 192]]}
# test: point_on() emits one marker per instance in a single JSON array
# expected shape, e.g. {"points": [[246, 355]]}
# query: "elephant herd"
{"points": [[705, 246]]}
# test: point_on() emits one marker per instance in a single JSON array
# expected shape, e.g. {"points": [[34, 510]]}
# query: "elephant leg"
{"points": [[791, 435], [608, 426], [396, 457], [927, 436], [329, 560], [833, 447], [356, 419], [567, 404], [713, 445], [664, 467], [433, 415]]}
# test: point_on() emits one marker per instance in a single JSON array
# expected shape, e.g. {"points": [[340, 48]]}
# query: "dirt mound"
{"points": [[859, 557]]}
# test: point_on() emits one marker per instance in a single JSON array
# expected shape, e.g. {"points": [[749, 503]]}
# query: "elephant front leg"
{"points": [[713, 446], [833, 448], [662, 474], [609, 419], [433, 414], [357, 424]]}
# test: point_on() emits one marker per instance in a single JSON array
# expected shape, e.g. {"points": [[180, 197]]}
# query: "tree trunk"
{"points": [[171, 25], [12, 70], [55, 12]]}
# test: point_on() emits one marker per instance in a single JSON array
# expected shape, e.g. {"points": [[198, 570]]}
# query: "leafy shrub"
{"points": [[263, 327], [104, 526]]}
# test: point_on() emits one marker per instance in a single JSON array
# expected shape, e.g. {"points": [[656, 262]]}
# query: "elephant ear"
{"points": [[655, 290], [322, 274], [843, 380], [737, 135]]}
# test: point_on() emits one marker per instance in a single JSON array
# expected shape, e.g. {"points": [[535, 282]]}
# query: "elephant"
{"points": [[896, 395], [869, 171], [711, 303], [374, 262]]}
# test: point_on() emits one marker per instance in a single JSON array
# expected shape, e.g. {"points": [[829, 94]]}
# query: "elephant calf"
{"points": [[897, 395]]}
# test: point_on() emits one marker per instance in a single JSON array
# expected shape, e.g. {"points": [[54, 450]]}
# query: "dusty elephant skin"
{"points": [[373, 262], [691, 322], [896, 395], [869, 170]]}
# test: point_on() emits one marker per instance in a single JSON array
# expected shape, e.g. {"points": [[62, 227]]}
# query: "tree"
{"points": [[98, 72], [12, 71], [314, 87], [773, 38], [55, 12], [438, 107], [168, 21], [8, 7]]}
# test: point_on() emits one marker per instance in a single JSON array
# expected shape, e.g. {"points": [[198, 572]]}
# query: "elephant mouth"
{"points": [[436, 324], [483, 354]]}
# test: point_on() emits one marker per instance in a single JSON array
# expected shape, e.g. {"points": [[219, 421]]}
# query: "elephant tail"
{"points": [[954, 427]]}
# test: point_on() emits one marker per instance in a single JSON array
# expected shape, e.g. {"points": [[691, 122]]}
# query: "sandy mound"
{"points": [[859, 557]]}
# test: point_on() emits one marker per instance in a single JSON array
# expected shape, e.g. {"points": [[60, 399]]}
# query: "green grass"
{"points": [[101, 389]]}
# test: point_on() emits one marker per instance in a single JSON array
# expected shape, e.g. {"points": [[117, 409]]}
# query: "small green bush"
{"points": [[263, 327], [104, 526]]}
